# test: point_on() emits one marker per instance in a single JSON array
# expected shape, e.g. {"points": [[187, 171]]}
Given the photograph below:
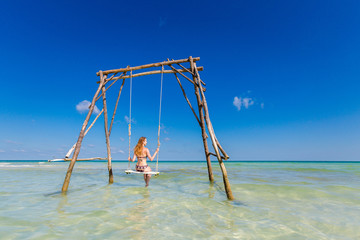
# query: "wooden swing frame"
{"points": [[110, 77]]}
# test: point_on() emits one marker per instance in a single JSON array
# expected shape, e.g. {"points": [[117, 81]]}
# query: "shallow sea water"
{"points": [[274, 200]]}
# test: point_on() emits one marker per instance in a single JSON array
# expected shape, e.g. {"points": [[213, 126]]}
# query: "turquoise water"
{"points": [[274, 200]]}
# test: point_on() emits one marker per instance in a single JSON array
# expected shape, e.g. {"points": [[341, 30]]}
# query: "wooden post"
{"points": [[79, 141], [203, 131], [111, 177], [204, 136], [211, 132]]}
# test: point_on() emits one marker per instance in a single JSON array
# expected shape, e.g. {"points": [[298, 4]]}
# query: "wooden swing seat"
{"points": [[128, 171]]}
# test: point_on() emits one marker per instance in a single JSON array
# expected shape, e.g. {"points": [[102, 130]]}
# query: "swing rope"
{"points": [[130, 119], [159, 127], [158, 140]]}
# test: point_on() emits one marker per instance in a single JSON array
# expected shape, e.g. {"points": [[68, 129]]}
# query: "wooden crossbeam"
{"points": [[186, 69], [150, 73], [213, 154], [159, 64], [86, 159]]}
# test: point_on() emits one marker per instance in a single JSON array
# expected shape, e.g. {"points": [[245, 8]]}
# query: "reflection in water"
{"points": [[62, 204], [273, 200], [60, 209], [139, 213], [211, 190]]}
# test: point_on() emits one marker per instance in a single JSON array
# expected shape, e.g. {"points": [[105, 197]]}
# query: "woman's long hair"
{"points": [[139, 146]]}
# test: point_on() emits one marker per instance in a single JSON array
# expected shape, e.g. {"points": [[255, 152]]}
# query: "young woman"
{"points": [[141, 153]]}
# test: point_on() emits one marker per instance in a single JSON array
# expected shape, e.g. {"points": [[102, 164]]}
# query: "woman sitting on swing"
{"points": [[141, 153]]}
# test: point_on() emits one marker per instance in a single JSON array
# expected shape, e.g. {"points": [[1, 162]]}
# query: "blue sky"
{"points": [[282, 76]]}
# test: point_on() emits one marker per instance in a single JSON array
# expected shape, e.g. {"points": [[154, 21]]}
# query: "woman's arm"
{"points": [[149, 156], [133, 158]]}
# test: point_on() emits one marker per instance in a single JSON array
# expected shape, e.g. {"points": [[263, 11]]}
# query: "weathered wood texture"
{"points": [[226, 157], [79, 141], [111, 177], [212, 133], [86, 159], [187, 70], [213, 154], [217, 142], [108, 86], [159, 64], [149, 73], [180, 72], [203, 132]]}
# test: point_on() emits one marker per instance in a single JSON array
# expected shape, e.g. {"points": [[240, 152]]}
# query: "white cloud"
{"points": [[83, 107], [166, 139], [248, 102], [2, 150], [243, 102], [262, 105]]}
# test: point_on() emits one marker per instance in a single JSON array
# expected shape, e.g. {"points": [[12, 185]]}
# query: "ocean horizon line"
{"points": [[258, 161]]}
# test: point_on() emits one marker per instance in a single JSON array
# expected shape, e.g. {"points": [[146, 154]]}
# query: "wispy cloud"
{"points": [[18, 150], [12, 142], [166, 139], [162, 127], [2, 150], [245, 102], [127, 119], [91, 145], [83, 107], [116, 150]]}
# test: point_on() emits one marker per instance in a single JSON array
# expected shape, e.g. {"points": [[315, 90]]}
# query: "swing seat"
{"points": [[132, 171]]}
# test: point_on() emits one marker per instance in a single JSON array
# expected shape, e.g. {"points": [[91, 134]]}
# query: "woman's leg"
{"points": [[147, 176]]}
